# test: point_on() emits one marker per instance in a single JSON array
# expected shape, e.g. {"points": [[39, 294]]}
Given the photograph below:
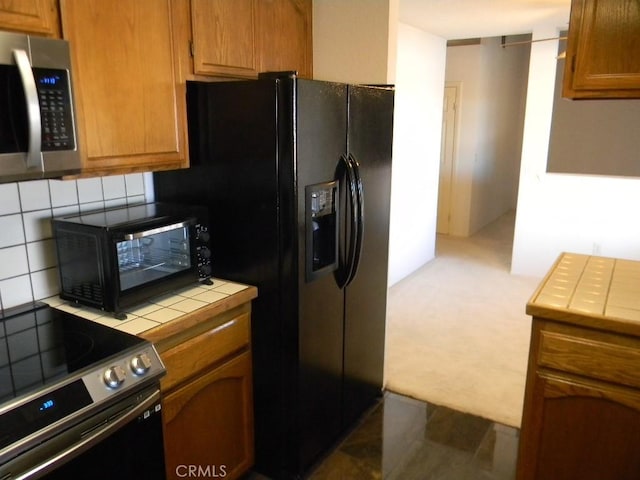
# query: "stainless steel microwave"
{"points": [[37, 116], [112, 259]]}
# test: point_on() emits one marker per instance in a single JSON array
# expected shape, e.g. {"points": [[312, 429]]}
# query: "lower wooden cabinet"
{"points": [[208, 423], [208, 398], [581, 418]]}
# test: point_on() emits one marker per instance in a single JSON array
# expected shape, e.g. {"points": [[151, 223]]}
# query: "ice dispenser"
{"points": [[321, 229]]}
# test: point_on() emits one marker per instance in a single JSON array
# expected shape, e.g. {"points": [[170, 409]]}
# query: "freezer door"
{"points": [[370, 145], [321, 131]]}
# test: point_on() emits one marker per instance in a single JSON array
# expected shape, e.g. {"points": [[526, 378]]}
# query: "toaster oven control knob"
{"points": [[205, 253], [203, 235], [206, 270], [114, 376], [140, 364]]}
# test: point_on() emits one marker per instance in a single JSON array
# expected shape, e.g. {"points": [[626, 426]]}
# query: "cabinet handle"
{"points": [[224, 326]]}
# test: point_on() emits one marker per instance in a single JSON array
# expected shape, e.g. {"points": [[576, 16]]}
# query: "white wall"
{"points": [[493, 83], [354, 40], [416, 154], [463, 66], [562, 212]]}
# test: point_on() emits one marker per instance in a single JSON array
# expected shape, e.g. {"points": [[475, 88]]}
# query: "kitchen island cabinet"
{"points": [[603, 50], [39, 17], [581, 416], [130, 100]]}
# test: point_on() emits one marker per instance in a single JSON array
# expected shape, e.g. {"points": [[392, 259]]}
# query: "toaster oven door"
{"points": [[153, 256]]}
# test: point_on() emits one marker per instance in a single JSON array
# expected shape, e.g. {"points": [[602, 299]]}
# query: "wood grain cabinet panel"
{"points": [[595, 356], [224, 38], [130, 104], [200, 352], [285, 36], [603, 50], [30, 16], [581, 418], [208, 423], [240, 38], [208, 397]]}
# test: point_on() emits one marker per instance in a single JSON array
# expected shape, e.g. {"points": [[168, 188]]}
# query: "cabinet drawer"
{"points": [[195, 354], [604, 357]]}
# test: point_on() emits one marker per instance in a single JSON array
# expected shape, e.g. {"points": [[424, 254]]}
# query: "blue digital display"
{"points": [[50, 80], [47, 405]]}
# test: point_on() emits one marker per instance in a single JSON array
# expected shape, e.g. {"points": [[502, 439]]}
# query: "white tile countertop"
{"points": [[592, 291], [159, 310]]}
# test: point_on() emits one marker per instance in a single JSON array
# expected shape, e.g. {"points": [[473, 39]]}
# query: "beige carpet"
{"points": [[457, 331]]}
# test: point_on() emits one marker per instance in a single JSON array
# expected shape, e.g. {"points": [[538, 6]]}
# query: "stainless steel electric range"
{"points": [[77, 398]]}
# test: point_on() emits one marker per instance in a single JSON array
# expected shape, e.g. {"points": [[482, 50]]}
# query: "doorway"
{"points": [[451, 106]]}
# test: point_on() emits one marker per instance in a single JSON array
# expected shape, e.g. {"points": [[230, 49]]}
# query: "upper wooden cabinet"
{"points": [[30, 16], [285, 36], [130, 99], [224, 37], [131, 60], [240, 38], [603, 50]]}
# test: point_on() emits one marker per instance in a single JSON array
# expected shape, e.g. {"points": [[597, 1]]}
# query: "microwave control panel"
{"points": [[56, 115]]}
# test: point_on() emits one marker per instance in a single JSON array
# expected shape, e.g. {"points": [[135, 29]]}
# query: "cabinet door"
{"points": [[208, 423], [30, 16], [603, 50], [285, 36], [224, 39], [577, 429], [130, 105]]}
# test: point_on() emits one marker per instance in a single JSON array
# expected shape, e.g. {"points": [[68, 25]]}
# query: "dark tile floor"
{"points": [[405, 439]]}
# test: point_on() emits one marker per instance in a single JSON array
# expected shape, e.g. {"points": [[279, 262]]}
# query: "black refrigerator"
{"points": [[297, 177]]}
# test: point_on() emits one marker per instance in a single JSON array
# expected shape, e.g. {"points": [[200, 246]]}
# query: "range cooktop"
{"points": [[56, 367]]}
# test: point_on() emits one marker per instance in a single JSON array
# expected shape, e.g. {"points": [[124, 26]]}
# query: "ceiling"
{"points": [[458, 19]]}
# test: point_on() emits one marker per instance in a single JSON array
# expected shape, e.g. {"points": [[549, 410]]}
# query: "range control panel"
{"points": [[123, 372]]}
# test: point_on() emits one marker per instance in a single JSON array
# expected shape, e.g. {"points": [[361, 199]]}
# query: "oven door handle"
{"points": [[162, 229], [90, 439]]}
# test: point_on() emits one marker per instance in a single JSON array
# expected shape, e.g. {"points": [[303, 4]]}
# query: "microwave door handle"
{"points": [[34, 156], [162, 229]]}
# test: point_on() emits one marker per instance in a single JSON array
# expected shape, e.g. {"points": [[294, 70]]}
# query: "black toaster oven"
{"points": [[115, 258]]}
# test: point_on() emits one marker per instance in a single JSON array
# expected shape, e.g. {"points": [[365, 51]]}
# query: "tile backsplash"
{"points": [[28, 268]]}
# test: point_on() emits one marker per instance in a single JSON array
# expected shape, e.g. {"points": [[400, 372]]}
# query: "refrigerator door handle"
{"points": [[344, 274], [358, 217]]}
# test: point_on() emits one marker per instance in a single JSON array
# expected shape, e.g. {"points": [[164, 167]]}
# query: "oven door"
{"points": [[155, 261], [123, 441]]}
